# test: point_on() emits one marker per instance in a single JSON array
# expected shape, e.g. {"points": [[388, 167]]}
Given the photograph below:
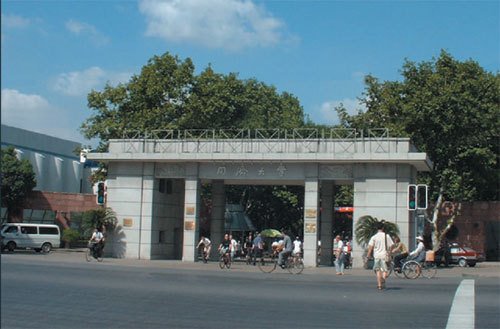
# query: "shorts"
{"points": [[379, 264]]}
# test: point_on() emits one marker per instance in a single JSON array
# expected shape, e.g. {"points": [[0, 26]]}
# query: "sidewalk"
{"points": [[484, 269]]}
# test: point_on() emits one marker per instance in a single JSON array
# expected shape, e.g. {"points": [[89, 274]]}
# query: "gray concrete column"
{"points": [[145, 232], [191, 213], [326, 234], [218, 212], [380, 191], [311, 215]]}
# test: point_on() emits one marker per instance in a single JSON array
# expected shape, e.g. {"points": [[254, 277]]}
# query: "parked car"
{"points": [[40, 237], [464, 256]]}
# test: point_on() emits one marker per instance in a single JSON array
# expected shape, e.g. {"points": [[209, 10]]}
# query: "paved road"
{"points": [[62, 291]]}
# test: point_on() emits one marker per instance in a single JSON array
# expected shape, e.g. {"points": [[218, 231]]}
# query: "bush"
{"points": [[70, 235]]}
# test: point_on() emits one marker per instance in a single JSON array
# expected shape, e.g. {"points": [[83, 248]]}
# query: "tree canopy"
{"points": [[167, 94], [450, 109], [18, 179]]}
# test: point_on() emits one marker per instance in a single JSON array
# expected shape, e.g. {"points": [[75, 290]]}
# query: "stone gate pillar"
{"points": [[191, 213], [380, 191], [218, 212], [311, 215]]}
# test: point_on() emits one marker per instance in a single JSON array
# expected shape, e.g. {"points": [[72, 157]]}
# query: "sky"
{"points": [[53, 53]]}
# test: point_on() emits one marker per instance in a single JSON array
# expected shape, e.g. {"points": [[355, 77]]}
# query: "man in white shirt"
{"points": [[419, 253], [207, 246], [97, 242], [338, 251], [379, 246]]}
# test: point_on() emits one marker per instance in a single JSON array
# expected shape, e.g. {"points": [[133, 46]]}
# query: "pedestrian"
{"points": [[297, 247], [338, 251], [248, 247], [257, 247], [234, 246], [378, 247]]}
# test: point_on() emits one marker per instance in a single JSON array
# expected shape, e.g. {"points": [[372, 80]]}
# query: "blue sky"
{"points": [[55, 52]]}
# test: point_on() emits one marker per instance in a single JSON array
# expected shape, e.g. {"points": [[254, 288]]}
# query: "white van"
{"points": [[40, 237]]}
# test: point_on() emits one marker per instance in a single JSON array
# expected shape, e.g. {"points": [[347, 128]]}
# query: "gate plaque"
{"points": [[310, 228], [189, 225], [311, 213]]}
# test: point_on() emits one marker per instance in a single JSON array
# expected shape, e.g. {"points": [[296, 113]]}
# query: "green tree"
{"points": [[450, 110], [271, 206], [18, 179], [168, 95]]}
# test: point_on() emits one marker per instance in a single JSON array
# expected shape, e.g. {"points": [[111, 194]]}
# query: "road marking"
{"points": [[462, 310]]}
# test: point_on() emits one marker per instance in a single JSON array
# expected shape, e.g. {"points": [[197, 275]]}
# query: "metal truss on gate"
{"points": [[300, 140]]}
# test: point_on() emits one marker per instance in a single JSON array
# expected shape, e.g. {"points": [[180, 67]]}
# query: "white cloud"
{"points": [[329, 114], [87, 30], [80, 83], [227, 24], [14, 21], [35, 113]]}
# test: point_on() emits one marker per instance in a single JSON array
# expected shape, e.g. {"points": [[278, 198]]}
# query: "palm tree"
{"points": [[104, 218], [366, 227]]}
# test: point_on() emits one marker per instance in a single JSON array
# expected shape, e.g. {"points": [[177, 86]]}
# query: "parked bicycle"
{"points": [[94, 251], [293, 263], [225, 260]]}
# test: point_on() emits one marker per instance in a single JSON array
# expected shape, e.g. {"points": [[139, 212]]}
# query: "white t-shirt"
{"points": [[339, 246], [379, 244], [97, 236], [205, 241], [296, 246]]}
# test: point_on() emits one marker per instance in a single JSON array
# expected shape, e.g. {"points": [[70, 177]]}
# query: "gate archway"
{"points": [[379, 167]]}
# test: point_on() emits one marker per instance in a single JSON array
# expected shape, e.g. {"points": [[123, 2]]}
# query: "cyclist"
{"points": [[419, 253], [207, 245], [96, 242], [400, 250], [287, 249], [225, 246]]}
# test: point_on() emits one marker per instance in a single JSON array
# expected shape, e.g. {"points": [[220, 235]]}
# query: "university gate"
{"points": [[154, 180]]}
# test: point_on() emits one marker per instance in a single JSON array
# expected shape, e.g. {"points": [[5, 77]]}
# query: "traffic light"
{"points": [[412, 197], [100, 193], [422, 196]]}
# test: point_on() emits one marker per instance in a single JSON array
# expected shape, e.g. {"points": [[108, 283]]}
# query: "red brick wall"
{"points": [[472, 222], [61, 203]]}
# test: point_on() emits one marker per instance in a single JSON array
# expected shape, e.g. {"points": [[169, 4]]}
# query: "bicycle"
{"points": [[94, 251], [391, 269], [413, 269], [203, 254], [293, 263], [225, 261]]}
